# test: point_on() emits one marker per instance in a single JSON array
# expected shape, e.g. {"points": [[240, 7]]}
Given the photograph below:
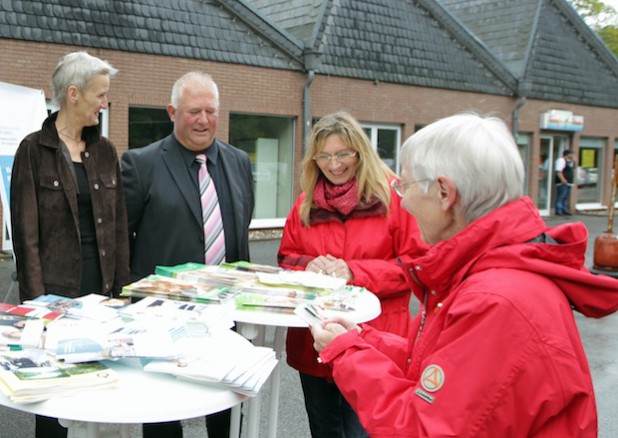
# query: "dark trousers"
{"points": [[330, 415], [563, 191], [47, 427], [217, 425]]}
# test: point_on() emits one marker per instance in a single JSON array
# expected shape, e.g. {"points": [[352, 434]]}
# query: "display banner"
{"points": [[22, 111]]}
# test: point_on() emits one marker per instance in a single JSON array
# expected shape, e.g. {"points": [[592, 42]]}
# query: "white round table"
{"points": [[252, 326], [140, 397]]}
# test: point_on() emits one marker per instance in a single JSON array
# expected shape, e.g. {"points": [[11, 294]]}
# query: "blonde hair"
{"points": [[372, 175]]}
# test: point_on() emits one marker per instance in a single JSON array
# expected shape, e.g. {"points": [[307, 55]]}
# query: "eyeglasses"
{"points": [[400, 187], [325, 159]]}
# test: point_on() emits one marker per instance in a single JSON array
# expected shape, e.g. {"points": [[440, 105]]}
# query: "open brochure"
{"points": [[74, 341], [92, 306], [34, 375], [179, 289]]}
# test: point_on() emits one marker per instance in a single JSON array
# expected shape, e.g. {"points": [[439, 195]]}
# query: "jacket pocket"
{"points": [[51, 194], [50, 183]]}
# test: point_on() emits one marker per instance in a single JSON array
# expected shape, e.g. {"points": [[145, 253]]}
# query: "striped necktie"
{"points": [[214, 239]]}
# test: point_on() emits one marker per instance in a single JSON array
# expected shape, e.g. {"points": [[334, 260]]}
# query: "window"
{"points": [[589, 168], [386, 140], [269, 141], [147, 125]]}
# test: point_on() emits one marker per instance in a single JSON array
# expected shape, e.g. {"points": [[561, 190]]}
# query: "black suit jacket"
{"points": [[165, 219]]}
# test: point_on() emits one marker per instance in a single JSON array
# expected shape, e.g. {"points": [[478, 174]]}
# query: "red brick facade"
{"points": [[146, 80]]}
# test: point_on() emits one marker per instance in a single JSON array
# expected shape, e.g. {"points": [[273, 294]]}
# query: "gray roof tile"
{"points": [[406, 42], [546, 43], [139, 26]]}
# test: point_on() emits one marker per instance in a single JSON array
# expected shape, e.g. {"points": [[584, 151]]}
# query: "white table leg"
{"points": [[275, 383], [235, 421], [256, 333]]}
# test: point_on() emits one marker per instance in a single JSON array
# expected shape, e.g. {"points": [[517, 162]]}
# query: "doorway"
{"points": [[550, 150]]}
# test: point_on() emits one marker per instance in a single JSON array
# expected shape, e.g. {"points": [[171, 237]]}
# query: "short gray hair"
{"points": [[194, 76], [478, 153], [77, 68]]}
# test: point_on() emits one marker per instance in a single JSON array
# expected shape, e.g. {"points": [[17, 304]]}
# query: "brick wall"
{"points": [[146, 80]]}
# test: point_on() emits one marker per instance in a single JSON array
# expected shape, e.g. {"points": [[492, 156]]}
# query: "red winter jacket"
{"points": [[496, 351], [371, 246]]}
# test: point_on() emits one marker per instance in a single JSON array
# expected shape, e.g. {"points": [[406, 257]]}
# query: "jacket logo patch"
{"points": [[432, 378]]}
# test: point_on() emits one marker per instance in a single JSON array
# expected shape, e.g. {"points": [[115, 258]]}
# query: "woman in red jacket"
{"points": [[348, 223], [495, 350]]}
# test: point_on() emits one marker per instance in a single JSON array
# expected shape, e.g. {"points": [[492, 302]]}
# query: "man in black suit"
{"points": [[163, 199]]}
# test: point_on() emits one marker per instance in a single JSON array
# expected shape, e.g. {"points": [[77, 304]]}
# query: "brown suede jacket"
{"points": [[44, 215]]}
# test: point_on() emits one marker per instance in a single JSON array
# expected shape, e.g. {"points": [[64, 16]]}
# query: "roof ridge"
{"points": [[256, 20], [471, 41], [590, 36], [533, 31]]}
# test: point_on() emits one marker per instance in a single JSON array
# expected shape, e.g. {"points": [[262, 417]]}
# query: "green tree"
{"points": [[602, 18]]}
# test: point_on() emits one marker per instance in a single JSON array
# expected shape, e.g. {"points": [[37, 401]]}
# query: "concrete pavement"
{"points": [[600, 338]]}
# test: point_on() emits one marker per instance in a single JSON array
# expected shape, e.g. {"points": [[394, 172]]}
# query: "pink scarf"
{"points": [[341, 199]]}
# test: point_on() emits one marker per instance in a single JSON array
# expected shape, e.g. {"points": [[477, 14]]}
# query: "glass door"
{"points": [[550, 150], [545, 175]]}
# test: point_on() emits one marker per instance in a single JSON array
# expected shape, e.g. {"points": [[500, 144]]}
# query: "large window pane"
{"points": [[147, 125], [385, 139], [269, 141], [589, 167]]}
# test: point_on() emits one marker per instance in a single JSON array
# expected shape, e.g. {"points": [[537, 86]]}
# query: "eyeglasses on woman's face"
{"points": [[400, 187], [340, 158]]}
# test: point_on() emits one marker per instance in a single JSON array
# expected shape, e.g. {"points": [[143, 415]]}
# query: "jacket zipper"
{"points": [[424, 313], [423, 316]]}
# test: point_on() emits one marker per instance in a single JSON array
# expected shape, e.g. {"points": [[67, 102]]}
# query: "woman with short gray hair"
{"points": [[495, 350], [68, 209]]}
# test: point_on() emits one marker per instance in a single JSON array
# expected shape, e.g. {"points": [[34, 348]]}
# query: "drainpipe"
{"points": [[311, 58], [307, 110], [523, 88]]}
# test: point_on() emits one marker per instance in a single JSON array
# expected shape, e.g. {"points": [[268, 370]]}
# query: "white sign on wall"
{"points": [[561, 121], [22, 111]]}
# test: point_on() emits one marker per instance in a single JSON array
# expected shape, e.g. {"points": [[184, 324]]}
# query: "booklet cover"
{"points": [[30, 311], [132, 340], [34, 375], [91, 306], [272, 303], [18, 331], [178, 289], [173, 271]]}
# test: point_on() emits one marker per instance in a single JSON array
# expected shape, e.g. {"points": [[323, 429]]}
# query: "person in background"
{"points": [[565, 172], [348, 223], [495, 350], [189, 199], [68, 211]]}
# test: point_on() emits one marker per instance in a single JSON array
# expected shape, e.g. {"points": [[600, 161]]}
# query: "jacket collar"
{"points": [[503, 239], [49, 134], [447, 263]]}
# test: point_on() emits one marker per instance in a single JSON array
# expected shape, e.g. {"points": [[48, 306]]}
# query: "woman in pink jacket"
{"points": [[495, 351], [348, 223]]}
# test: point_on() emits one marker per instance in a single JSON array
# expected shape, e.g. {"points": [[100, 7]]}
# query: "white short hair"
{"points": [[194, 76], [478, 153], [78, 69]]}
